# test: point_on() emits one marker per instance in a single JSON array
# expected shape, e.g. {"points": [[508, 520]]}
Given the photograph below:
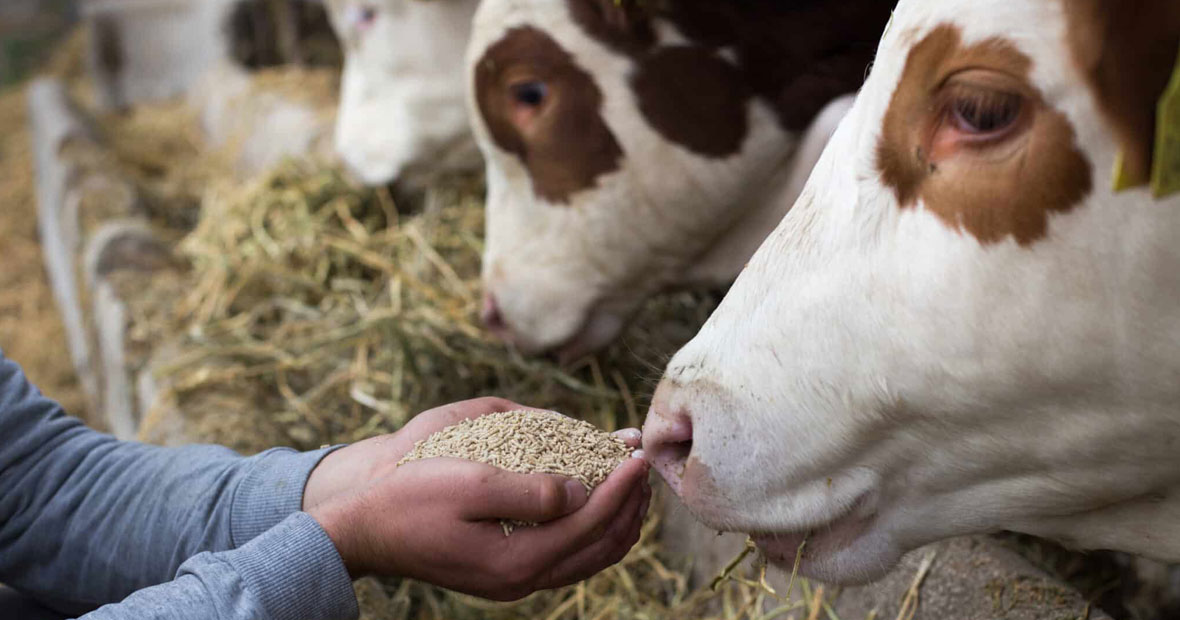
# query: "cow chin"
{"points": [[836, 545], [844, 545], [595, 332], [846, 552]]}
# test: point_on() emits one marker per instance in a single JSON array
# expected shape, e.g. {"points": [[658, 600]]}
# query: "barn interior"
{"points": [[186, 262]]}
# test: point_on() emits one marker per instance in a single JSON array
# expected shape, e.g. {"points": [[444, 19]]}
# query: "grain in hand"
{"points": [[529, 442]]}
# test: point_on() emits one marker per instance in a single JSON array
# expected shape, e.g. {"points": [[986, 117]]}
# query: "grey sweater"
{"points": [[141, 531]]}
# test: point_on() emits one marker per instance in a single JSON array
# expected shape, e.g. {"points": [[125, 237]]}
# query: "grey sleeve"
{"points": [[291, 572], [86, 520]]}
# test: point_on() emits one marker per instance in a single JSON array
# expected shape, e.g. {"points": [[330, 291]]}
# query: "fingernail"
{"points": [[575, 494], [639, 454], [626, 434]]}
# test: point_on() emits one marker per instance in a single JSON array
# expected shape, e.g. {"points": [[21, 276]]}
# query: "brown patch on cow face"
{"points": [[622, 26], [693, 98], [1126, 49], [798, 55], [973, 140], [543, 108], [700, 490]]}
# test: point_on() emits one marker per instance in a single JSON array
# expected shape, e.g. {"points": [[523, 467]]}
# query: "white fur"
{"points": [[569, 275], [402, 114], [872, 357]]}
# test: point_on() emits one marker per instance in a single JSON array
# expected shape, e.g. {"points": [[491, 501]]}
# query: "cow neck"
{"points": [[764, 209], [788, 54]]}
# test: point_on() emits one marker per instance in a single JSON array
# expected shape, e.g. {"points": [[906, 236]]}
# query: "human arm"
{"points": [[452, 537], [86, 520]]}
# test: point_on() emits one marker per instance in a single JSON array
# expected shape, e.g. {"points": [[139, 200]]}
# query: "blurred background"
{"points": [[28, 29]]}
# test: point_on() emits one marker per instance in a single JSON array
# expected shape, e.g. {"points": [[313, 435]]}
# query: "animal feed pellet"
{"points": [[529, 442]]}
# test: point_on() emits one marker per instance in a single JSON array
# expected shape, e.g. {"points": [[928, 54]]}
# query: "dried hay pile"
{"points": [[161, 149], [318, 87], [330, 317], [162, 146]]}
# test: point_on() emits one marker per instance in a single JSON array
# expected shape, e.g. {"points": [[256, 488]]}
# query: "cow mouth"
{"points": [[599, 330], [782, 548], [836, 535]]}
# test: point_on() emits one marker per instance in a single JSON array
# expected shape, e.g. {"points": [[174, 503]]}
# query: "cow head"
{"points": [[960, 327], [402, 114], [630, 146]]}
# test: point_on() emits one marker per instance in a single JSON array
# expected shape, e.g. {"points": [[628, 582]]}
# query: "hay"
{"points": [[319, 87], [161, 149], [332, 320]]}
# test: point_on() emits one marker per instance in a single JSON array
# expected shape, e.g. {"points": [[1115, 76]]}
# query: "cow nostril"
{"points": [[668, 445], [676, 454], [490, 314]]}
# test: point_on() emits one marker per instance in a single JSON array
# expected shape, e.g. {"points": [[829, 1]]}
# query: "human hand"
{"points": [[437, 520]]}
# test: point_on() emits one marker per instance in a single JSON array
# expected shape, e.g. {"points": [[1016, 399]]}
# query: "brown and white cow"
{"points": [[636, 146], [402, 112], [960, 326]]}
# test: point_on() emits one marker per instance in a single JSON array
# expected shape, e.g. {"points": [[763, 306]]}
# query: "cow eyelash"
{"points": [[984, 112]]}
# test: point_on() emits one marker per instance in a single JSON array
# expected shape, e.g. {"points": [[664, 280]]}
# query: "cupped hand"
{"points": [[438, 520], [354, 467]]}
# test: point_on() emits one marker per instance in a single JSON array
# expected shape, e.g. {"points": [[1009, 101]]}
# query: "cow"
{"points": [[634, 147], [970, 320], [402, 113]]}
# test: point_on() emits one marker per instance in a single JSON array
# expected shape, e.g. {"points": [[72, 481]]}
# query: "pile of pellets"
{"points": [[529, 442]]}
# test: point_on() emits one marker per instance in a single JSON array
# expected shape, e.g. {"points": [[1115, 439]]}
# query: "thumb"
{"points": [[501, 494]]}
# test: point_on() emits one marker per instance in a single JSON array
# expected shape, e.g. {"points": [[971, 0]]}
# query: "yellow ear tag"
{"points": [[1122, 181], [1165, 167]]}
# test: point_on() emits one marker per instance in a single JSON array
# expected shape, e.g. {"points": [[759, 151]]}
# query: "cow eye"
{"points": [[365, 16], [984, 112], [531, 94]]}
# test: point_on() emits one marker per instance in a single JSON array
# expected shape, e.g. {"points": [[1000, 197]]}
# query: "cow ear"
{"points": [[622, 25], [1127, 51]]}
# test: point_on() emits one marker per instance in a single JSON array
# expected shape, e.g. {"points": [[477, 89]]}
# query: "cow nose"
{"points": [[667, 443], [491, 317]]}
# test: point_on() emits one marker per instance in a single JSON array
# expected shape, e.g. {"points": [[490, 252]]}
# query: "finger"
{"points": [[492, 493], [630, 436], [579, 529], [605, 552]]}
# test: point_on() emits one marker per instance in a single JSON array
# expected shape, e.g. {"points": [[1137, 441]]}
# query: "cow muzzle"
{"points": [[668, 444], [567, 344]]}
